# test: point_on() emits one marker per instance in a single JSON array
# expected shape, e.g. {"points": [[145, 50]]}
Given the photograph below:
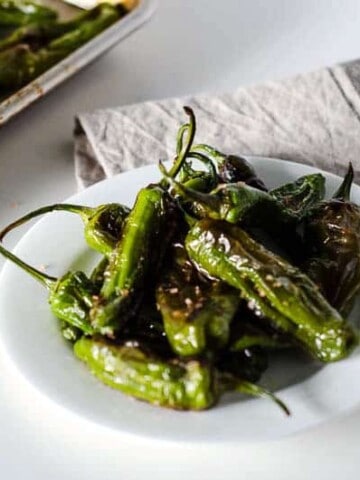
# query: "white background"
{"points": [[189, 46]]}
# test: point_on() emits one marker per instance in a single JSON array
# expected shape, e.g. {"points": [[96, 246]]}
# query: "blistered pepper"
{"points": [[273, 288], [103, 224], [70, 297], [300, 196], [178, 384], [332, 239], [138, 255], [232, 168], [196, 313]]}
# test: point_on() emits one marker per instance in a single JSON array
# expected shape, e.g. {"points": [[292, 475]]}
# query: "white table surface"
{"points": [[188, 47]]}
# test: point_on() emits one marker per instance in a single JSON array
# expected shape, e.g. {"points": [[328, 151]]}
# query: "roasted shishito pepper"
{"points": [[70, 297], [134, 371], [239, 203], [196, 313], [137, 256], [40, 49], [103, 224], [178, 384], [273, 288], [332, 238], [300, 196], [232, 168], [22, 12]]}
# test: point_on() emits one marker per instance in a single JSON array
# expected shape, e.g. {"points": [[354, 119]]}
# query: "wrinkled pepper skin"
{"points": [[128, 368], [71, 298], [232, 168], [273, 288], [135, 257], [237, 203], [299, 196], [22, 12], [332, 239], [103, 224], [103, 227], [196, 313]]}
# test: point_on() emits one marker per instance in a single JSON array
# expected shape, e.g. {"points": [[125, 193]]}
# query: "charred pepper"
{"points": [[332, 239], [273, 288], [300, 196], [232, 168], [196, 313], [137, 255], [103, 224], [181, 385]]}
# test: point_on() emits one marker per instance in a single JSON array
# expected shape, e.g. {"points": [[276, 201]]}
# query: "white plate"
{"points": [[31, 337]]}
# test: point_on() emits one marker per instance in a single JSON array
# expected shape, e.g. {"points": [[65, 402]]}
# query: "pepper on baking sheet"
{"points": [[138, 255], [273, 288], [103, 224], [70, 297], [196, 313], [23, 62], [300, 196], [178, 384], [23, 12], [232, 168], [332, 238]]}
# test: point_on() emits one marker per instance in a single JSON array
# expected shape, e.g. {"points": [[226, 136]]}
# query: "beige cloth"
{"points": [[312, 118]]}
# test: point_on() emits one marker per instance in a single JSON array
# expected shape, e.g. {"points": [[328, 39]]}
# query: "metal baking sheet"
{"points": [[19, 100]]}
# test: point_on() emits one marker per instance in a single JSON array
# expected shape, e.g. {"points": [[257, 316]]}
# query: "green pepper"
{"points": [[23, 12], [137, 256], [70, 297], [235, 203], [300, 196], [196, 313], [98, 272], [103, 224], [20, 64], [133, 260], [69, 332], [132, 370], [273, 288], [38, 35], [181, 385], [232, 168], [332, 238]]}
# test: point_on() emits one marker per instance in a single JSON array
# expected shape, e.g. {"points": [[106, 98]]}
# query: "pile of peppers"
{"points": [[199, 281], [33, 39]]}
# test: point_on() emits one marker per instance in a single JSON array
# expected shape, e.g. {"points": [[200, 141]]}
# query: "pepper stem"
{"points": [[42, 277], [205, 199], [243, 386], [343, 192], [83, 211], [207, 162], [201, 147], [181, 149]]}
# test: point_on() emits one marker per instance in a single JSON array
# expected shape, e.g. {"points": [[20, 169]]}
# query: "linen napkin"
{"points": [[312, 118]]}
